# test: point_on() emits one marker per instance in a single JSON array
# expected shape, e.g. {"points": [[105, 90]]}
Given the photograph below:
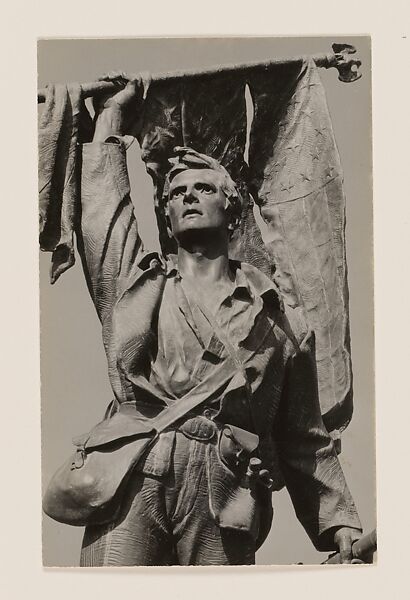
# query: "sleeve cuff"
{"points": [[325, 541]]}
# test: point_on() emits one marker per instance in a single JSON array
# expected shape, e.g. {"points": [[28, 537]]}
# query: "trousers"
{"points": [[167, 520]]}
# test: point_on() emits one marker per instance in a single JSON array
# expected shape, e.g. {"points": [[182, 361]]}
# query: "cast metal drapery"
{"points": [[293, 174]]}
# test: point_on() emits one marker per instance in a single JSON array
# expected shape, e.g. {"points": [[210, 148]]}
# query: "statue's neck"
{"points": [[204, 262]]}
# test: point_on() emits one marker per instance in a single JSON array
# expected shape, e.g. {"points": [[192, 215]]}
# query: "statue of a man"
{"points": [[202, 494]]}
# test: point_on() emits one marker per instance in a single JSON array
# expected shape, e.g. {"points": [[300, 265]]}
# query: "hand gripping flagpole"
{"points": [[363, 550], [340, 59]]}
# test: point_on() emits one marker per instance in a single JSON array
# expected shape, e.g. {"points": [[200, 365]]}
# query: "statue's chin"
{"points": [[194, 233]]}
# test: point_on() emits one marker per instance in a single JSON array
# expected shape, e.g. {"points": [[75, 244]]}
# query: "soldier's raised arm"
{"points": [[109, 242]]}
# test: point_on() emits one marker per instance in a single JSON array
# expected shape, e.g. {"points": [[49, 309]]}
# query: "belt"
{"points": [[197, 425]]}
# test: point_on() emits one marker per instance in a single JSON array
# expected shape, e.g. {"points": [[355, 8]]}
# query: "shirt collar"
{"points": [[262, 286], [249, 280]]}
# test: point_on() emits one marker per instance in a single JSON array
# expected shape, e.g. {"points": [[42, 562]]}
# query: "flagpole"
{"points": [[339, 59]]}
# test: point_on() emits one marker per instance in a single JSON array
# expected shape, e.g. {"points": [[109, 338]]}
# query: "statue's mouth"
{"points": [[191, 211]]}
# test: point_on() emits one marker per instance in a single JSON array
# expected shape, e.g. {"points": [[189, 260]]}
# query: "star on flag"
{"points": [[288, 187]]}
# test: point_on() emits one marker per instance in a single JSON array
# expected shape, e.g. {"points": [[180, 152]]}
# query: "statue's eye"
{"points": [[177, 192], [205, 188]]}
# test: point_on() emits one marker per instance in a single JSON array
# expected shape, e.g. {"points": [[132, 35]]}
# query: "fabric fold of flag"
{"points": [[296, 178], [58, 137]]}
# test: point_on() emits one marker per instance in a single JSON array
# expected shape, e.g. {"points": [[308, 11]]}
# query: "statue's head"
{"points": [[200, 195]]}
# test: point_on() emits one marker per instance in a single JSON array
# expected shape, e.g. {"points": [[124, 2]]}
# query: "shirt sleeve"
{"points": [[309, 463], [108, 238]]}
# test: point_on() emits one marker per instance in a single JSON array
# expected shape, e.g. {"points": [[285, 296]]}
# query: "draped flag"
{"points": [[293, 174]]}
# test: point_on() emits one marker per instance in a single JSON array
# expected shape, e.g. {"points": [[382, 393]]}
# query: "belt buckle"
{"points": [[199, 428]]}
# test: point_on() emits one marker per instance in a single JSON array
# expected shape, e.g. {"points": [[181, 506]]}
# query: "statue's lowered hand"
{"points": [[344, 539]]}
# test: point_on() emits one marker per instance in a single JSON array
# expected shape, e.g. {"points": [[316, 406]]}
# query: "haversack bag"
{"points": [[88, 487]]}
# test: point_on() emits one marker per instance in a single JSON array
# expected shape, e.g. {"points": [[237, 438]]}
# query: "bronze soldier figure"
{"points": [[201, 494]]}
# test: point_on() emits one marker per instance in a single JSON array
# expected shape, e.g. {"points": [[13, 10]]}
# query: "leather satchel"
{"points": [[87, 489]]}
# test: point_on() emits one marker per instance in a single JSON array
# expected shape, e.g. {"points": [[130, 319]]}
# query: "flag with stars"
{"points": [[291, 170], [296, 178]]}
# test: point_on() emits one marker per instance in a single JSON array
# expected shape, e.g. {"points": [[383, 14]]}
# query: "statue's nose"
{"points": [[190, 197]]}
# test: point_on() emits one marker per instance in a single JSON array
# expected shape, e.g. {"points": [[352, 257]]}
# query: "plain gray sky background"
{"points": [[75, 388]]}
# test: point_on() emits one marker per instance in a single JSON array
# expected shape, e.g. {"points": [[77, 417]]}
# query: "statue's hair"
{"points": [[187, 158]]}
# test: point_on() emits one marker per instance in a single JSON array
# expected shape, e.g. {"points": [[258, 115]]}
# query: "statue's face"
{"points": [[197, 202]]}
